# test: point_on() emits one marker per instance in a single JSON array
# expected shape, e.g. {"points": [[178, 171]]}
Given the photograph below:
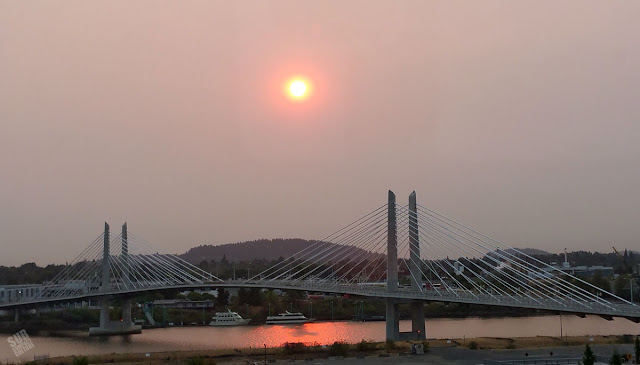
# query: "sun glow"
{"points": [[298, 89]]}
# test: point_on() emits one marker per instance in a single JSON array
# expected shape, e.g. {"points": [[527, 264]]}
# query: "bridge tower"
{"points": [[126, 302], [104, 303], [392, 318], [107, 327], [417, 306]]}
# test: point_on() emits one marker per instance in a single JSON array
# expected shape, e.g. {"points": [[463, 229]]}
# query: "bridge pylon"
{"points": [[417, 306], [125, 325], [392, 317]]}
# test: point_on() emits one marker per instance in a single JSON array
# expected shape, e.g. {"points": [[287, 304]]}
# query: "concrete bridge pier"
{"points": [[16, 315], [126, 312], [393, 320]]}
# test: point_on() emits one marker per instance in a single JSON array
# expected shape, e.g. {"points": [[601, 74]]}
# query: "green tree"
{"points": [[599, 281], [637, 350], [223, 298], [195, 296], [208, 296], [616, 358], [589, 358], [204, 265], [621, 286]]}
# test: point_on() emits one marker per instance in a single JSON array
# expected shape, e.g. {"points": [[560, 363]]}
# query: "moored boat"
{"points": [[288, 318], [228, 318]]}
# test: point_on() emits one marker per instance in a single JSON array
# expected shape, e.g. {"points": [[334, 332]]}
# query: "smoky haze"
{"points": [[520, 119]]}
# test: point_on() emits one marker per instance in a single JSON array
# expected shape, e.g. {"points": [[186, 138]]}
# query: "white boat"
{"points": [[288, 318], [228, 318]]}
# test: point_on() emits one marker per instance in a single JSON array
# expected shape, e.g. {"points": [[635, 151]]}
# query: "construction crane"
{"points": [[625, 266]]}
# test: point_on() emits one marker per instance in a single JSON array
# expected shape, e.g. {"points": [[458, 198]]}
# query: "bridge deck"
{"points": [[594, 308]]}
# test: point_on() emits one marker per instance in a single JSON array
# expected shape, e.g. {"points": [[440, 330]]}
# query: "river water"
{"points": [[205, 337]]}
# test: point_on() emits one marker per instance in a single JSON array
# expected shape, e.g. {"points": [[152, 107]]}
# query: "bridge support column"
{"points": [[104, 302], [16, 315], [392, 318], [417, 320], [126, 303], [104, 313], [415, 269], [126, 312]]}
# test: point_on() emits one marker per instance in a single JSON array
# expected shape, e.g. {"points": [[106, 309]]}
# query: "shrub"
{"points": [[365, 346], [195, 361], [390, 345], [625, 339], [291, 348], [200, 361], [589, 358], [616, 358], [473, 345], [425, 346], [80, 360], [339, 349]]}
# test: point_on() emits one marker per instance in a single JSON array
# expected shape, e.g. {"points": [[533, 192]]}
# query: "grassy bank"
{"points": [[290, 351]]}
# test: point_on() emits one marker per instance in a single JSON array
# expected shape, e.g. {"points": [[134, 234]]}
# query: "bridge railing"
{"points": [[625, 310], [616, 309]]}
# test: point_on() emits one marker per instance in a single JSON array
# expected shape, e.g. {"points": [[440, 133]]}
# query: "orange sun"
{"points": [[298, 89]]}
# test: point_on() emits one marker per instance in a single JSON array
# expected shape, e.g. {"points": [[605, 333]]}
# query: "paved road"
{"points": [[463, 356]]}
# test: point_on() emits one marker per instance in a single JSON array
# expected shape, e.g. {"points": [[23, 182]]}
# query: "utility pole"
{"points": [[561, 337], [331, 311]]}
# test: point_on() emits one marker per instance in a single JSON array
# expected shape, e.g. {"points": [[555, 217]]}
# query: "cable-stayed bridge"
{"points": [[403, 253]]}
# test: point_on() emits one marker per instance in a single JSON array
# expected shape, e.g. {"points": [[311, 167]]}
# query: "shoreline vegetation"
{"points": [[322, 310], [316, 351]]}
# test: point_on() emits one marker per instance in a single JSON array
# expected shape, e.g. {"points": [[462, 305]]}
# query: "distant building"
{"points": [[14, 293], [579, 271]]}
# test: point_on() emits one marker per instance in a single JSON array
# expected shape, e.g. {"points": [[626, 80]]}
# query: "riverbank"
{"points": [[208, 338], [362, 350], [345, 310]]}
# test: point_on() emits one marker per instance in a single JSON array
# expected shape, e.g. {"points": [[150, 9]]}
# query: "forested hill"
{"points": [[264, 249]]}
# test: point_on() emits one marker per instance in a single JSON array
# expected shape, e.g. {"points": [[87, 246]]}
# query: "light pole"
{"points": [[561, 326], [331, 311], [265, 354]]}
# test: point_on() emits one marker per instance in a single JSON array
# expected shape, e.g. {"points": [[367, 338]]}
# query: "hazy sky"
{"points": [[518, 118]]}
